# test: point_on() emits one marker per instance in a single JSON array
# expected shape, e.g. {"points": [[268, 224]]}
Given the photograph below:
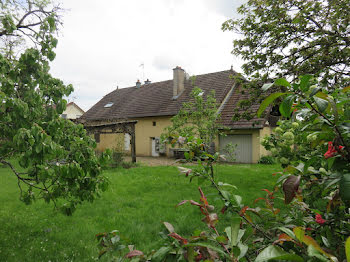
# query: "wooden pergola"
{"points": [[110, 127]]}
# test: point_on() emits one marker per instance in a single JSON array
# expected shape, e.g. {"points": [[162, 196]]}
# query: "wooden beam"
{"points": [[133, 145]]}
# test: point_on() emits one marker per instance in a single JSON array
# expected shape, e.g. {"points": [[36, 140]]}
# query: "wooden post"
{"points": [[133, 145]]}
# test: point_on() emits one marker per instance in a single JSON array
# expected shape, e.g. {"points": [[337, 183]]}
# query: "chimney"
{"points": [[178, 81], [138, 84], [147, 82]]}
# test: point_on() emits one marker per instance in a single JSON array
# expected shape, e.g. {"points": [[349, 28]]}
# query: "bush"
{"points": [[313, 222], [267, 160]]}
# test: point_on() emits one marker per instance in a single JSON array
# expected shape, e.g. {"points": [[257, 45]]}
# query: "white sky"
{"points": [[103, 42]]}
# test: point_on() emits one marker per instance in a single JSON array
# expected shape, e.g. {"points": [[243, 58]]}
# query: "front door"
{"points": [[155, 146]]}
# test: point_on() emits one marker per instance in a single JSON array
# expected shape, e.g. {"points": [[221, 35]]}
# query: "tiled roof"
{"points": [[230, 106], [156, 99]]}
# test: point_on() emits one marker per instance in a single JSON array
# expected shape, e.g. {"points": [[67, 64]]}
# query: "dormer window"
{"points": [[109, 104]]}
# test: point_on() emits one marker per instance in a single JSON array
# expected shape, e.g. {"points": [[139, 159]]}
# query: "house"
{"points": [[73, 111], [153, 104]]}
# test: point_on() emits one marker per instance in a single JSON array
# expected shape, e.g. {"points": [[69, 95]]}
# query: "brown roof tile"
{"points": [[232, 104], [156, 99]]}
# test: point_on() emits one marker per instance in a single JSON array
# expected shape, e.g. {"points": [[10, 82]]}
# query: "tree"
{"points": [[56, 157], [198, 117], [292, 38]]}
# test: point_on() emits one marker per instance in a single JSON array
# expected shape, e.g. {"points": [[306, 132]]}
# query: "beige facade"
{"points": [[257, 135], [72, 111], [148, 128]]}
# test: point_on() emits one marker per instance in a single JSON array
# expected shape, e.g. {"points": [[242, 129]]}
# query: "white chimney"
{"points": [[178, 81]]}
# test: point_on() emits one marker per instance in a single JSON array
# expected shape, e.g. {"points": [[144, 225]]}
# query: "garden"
{"points": [[137, 202], [60, 201]]}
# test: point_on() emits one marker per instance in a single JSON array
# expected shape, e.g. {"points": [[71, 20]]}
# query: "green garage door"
{"points": [[243, 152]]}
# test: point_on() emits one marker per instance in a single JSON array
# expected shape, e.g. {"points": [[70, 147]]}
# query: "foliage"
{"points": [[267, 160], [229, 152], [56, 156], [291, 38], [313, 225], [196, 118], [118, 152]]}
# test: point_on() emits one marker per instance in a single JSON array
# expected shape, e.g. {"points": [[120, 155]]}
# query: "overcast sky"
{"points": [[103, 43]]}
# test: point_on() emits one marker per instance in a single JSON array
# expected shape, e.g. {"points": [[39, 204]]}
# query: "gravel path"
{"points": [[155, 161]]}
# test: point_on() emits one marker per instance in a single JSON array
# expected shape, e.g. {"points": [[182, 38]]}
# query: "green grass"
{"points": [[136, 203]]}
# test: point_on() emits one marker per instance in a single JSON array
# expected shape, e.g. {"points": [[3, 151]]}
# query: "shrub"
{"points": [[267, 160], [313, 222]]}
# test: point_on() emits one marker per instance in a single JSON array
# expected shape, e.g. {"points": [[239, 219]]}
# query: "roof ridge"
{"points": [[163, 81]]}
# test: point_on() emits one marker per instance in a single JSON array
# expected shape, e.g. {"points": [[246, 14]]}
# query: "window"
{"points": [[154, 123], [97, 137], [64, 116], [109, 104]]}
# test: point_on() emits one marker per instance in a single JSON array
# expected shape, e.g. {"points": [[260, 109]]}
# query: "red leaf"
{"points": [[259, 198], [242, 212], [290, 187], [223, 209], [182, 202], [178, 237], [195, 203], [134, 253], [203, 198]]}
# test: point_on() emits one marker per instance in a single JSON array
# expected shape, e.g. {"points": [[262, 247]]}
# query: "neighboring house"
{"points": [[73, 111], [153, 105]]}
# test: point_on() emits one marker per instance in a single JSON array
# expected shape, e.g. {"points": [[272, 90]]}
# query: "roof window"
{"points": [[109, 104]]}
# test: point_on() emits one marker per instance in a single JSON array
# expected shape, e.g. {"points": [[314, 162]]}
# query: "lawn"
{"points": [[136, 203]]}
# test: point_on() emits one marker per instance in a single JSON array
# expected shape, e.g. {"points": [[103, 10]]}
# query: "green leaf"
{"points": [[347, 249], [201, 244], [305, 82], [225, 194], [266, 86], [325, 241], [286, 105], [276, 253], [238, 199], [233, 230], [243, 250], [226, 184], [282, 82], [312, 252], [161, 253], [321, 103], [344, 187], [314, 91], [221, 239], [287, 231], [268, 100]]}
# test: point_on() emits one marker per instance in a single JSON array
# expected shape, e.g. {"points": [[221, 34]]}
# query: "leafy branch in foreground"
{"points": [[56, 158], [305, 217]]}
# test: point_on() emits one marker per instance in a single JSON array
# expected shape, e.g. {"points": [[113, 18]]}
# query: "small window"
{"points": [[64, 116], [97, 137], [109, 104], [154, 123]]}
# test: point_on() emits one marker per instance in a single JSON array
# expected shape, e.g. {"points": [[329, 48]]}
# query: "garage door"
{"points": [[243, 151]]}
